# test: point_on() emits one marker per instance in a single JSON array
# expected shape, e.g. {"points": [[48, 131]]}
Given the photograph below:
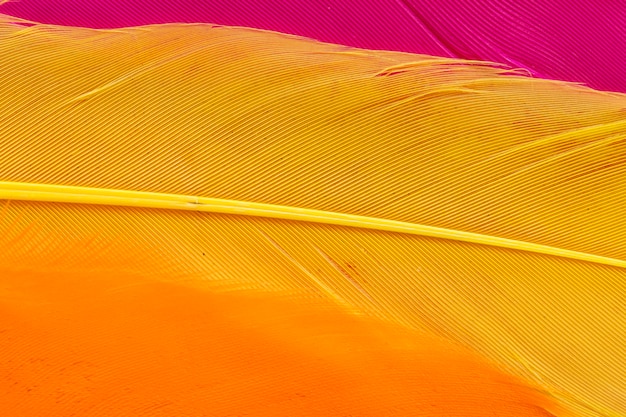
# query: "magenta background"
{"points": [[573, 40]]}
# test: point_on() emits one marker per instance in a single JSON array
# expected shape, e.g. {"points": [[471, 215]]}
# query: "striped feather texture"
{"points": [[559, 39], [269, 315]]}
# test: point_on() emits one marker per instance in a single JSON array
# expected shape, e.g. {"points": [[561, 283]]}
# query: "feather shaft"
{"points": [[85, 195]]}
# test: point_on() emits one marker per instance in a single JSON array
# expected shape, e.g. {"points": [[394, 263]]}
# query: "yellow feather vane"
{"points": [[202, 220]]}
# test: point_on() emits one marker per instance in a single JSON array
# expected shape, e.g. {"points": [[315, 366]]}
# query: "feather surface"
{"points": [[559, 39], [255, 117]]}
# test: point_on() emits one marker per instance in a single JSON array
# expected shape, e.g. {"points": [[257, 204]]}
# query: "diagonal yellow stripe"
{"points": [[102, 196]]}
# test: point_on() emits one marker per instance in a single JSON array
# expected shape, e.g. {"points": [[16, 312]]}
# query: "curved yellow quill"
{"points": [[84, 195], [485, 208]]}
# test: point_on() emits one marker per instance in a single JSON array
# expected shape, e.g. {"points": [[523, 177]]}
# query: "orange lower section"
{"points": [[76, 345]]}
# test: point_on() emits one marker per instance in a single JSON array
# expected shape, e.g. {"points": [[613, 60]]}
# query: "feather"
{"points": [[559, 39], [294, 228]]}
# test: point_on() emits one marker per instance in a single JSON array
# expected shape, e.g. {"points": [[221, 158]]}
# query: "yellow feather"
{"points": [[484, 207]]}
